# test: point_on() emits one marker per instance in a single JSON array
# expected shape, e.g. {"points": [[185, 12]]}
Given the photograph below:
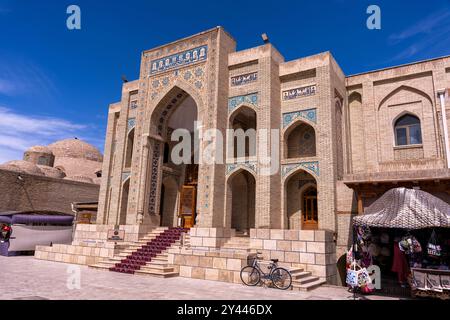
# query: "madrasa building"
{"points": [[343, 142]]}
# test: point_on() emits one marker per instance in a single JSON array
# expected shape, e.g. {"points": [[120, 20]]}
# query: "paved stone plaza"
{"points": [[29, 278]]}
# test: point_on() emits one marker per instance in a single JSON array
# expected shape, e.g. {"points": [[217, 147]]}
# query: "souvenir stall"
{"points": [[401, 246]]}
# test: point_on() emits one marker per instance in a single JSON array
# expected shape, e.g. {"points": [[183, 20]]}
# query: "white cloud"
{"points": [[430, 24], [427, 38], [23, 77], [19, 132]]}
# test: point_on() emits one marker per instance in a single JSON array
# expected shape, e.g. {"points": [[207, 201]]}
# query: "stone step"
{"points": [[157, 262], [304, 280], [108, 262], [163, 259], [100, 265], [157, 273], [308, 286], [157, 268], [295, 270], [300, 275]]}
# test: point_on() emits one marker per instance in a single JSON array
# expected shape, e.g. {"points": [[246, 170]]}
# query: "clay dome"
{"points": [[40, 149], [22, 167], [75, 148]]}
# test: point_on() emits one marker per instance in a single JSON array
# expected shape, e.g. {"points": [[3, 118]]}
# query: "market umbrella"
{"points": [[406, 209]]}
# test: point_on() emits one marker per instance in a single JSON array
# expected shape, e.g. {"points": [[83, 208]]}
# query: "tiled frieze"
{"points": [[131, 123], [312, 166], [300, 92], [244, 79], [244, 165], [180, 59], [309, 114], [234, 102]]}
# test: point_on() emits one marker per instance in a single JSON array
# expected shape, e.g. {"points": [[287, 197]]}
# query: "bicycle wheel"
{"points": [[250, 276], [281, 278]]}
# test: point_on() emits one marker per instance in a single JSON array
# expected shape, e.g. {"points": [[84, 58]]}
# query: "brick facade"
{"points": [[350, 119]]}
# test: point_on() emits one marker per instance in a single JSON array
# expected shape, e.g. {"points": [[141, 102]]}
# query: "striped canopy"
{"points": [[406, 209]]}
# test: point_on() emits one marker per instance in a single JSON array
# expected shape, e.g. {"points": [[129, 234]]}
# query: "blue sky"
{"points": [[56, 83]]}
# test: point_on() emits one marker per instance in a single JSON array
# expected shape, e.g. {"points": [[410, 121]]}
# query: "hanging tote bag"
{"points": [[363, 278], [433, 248], [352, 274], [357, 276]]}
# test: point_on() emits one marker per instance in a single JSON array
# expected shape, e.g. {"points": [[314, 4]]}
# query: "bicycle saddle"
{"points": [[274, 260]]}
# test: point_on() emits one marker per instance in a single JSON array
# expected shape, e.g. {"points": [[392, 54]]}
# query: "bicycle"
{"points": [[280, 277]]}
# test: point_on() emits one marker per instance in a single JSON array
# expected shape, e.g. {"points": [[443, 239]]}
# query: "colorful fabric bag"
{"points": [[363, 278], [357, 276], [352, 275]]}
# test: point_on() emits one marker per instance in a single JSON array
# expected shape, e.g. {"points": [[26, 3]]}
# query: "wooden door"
{"points": [[188, 201], [310, 218]]}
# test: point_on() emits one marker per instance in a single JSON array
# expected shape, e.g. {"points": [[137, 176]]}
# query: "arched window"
{"points": [[130, 147], [301, 142], [407, 131]]}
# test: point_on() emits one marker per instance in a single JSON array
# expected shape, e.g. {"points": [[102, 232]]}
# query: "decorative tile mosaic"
{"points": [[154, 178], [133, 104], [174, 102], [234, 102], [312, 166], [244, 79], [245, 165], [309, 114], [299, 92], [198, 72], [180, 59], [187, 75], [131, 123]]}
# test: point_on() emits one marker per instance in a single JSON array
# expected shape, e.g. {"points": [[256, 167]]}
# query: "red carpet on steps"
{"points": [[141, 256]]}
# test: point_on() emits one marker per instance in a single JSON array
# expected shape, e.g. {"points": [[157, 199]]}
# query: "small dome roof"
{"points": [[75, 148], [22, 167], [40, 149]]}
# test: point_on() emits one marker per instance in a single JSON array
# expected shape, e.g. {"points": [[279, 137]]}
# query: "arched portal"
{"points": [[241, 201], [174, 117], [300, 141], [301, 201]]}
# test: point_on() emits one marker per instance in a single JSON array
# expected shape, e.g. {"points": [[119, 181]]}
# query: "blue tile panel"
{"points": [[234, 102], [312, 166], [299, 92], [308, 114], [179, 59]]}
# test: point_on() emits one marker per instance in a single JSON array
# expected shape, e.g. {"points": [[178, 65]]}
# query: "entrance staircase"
{"points": [[304, 280], [240, 243], [147, 256]]}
